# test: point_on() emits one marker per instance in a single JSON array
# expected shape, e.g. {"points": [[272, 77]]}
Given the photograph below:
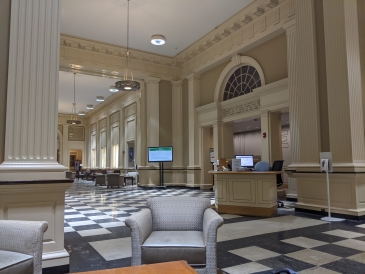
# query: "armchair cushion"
{"points": [[177, 213], [14, 262], [165, 246]]}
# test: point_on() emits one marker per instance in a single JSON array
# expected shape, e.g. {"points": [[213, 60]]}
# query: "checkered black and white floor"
{"points": [[97, 238]]}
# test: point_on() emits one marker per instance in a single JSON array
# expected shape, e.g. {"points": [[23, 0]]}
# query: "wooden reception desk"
{"points": [[250, 193]]}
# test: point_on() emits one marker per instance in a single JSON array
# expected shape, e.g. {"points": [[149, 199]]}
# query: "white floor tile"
{"points": [[81, 207], [318, 270], [313, 257], [358, 258], [115, 212], [258, 227], [70, 210], [254, 253], [81, 223], [304, 242], [113, 249], [99, 217], [68, 229], [93, 232], [112, 224], [73, 216], [352, 243], [344, 233], [246, 268], [89, 211]]}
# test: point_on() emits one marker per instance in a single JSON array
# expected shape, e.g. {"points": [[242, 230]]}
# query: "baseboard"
{"points": [[336, 215], [60, 269]]}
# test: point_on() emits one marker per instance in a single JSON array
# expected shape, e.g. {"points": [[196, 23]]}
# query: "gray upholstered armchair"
{"points": [[21, 246], [176, 228]]}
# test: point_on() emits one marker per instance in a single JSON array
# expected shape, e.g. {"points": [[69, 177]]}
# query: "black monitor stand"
{"points": [[161, 186]]}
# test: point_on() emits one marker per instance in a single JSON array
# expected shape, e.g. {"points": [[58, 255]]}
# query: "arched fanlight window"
{"points": [[241, 82]]}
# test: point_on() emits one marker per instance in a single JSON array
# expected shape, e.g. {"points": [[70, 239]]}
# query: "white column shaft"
{"points": [[121, 138], [153, 113], [31, 117], [193, 103], [177, 127], [344, 87]]}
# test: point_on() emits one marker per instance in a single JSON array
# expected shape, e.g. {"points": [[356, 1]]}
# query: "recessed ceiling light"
{"points": [[99, 98], [89, 107], [113, 89], [158, 39], [81, 113]]}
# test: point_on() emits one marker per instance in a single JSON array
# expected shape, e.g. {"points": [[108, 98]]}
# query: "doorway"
{"points": [[75, 159]]}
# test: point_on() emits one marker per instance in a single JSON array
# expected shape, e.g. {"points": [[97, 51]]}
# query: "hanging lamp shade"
{"points": [[128, 83], [73, 119]]}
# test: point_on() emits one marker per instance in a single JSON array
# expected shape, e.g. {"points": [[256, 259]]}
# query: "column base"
{"points": [[193, 177], [23, 171], [346, 191], [247, 210], [56, 262]]}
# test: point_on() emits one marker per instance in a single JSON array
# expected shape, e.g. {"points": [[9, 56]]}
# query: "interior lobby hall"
{"points": [[97, 94]]}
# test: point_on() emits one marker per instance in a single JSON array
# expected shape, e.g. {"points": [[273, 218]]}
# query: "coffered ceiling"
{"points": [[182, 22]]}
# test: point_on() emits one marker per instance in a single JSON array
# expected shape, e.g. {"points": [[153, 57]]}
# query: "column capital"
{"points": [[177, 83], [151, 79], [193, 76]]}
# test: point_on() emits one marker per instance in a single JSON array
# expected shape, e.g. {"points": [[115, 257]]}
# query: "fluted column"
{"points": [[121, 137], [303, 89], [194, 102], [108, 143], [218, 140], [31, 116], [153, 113], [344, 90], [142, 127], [177, 127]]}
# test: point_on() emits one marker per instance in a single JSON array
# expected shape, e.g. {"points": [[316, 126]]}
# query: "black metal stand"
{"points": [[161, 186]]}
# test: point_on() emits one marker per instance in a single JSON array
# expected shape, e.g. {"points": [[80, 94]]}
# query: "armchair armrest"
{"points": [[24, 237], [141, 227], [211, 222]]}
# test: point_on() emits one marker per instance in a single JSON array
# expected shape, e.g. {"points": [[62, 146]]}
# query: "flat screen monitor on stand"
{"points": [[246, 160], [161, 155]]}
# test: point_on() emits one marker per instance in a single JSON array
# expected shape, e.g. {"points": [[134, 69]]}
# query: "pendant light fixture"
{"points": [[128, 83], [73, 120]]}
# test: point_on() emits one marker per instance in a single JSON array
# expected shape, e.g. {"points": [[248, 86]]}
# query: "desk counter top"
{"points": [[246, 172]]}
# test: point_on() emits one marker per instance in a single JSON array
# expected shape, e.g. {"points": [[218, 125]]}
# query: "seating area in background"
{"points": [[21, 246], [176, 228]]}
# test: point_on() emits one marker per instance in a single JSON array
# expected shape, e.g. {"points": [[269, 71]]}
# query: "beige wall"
{"points": [[272, 58], [208, 81], [4, 53], [185, 123], [165, 113]]}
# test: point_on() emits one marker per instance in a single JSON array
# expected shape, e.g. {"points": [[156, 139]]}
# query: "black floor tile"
{"points": [[284, 261], [87, 227], [337, 250], [227, 259], [346, 266]]}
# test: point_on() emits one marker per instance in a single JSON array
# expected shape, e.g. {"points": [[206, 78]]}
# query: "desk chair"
{"points": [[262, 166], [278, 166]]}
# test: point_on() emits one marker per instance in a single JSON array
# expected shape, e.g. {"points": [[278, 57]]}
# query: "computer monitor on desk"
{"points": [[246, 160]]}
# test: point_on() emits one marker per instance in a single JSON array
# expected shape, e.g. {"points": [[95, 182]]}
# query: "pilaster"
{"points": [[142, 128], [193, 103], [346, 128], [217, 140], [121, 137], [31, 115], [108, 143], [177, 127], [153, 114]]}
